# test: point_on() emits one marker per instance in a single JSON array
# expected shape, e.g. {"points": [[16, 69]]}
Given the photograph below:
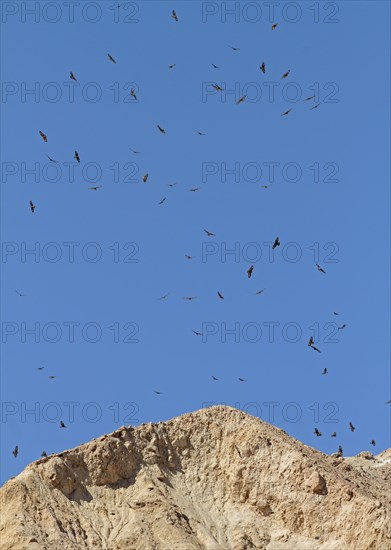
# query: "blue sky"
{"points": [[339, 199]]}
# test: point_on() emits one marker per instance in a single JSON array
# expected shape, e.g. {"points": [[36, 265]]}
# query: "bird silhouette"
{"points": [[19, 294], [163, 297], [43, 136], [32, 207], [158, 392], [189, 257], [286, 112], [200, 133], [62, 425], [76, 157], [276, 243], [352, 428], [308, 98], [274, 26], [220, 295], [72, 76], [15, 451], [111, 58], [317, 432], [373, 442], [335, 313], [241, 100], [172, 66], [260, 291], [334, 434], [135, 152], [250, 271], [145, 177], [190, 298], [197, 333], [209, 233], [217, 87], [234, 49], [194, 189], [325, 371], [314, 107], [241, 379], [286, 74], [133, 93], [52, 160], [174, 16], [51, 377], [342, 327], [214, 378], [95, 188], [215, 66], [319, 268], [263, 68], [162, 201], [162, 130], [43, 454], [340, 451], [40, 368]]}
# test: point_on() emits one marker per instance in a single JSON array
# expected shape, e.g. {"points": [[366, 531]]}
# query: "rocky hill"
{"points": [[216, 479]]}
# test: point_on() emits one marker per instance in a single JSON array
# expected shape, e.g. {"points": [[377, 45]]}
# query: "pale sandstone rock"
{"points": [[216, 479]]}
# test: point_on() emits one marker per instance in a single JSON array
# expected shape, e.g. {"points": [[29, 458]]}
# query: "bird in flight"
{"points": [[334, 434], [276, 243], [373, 442], [133, 93], [260, 291], [263, 68], [194, 189], [241, 100], [274, 26], [145, 178], [197, 333], [51, 377], [172, 66], [234, 49], [214, 378], [200, 133], [32, 207], [19, 294], [220, 295], [352, 428], [311, 345], [209, 233], [189, 257], [286, 74], [40, 368], [76, 157], [317, 432], [265, 186], [325, 371], [171, 184], [342, 327], [52, 160], [111, 58], [162, 201], [163, 297], [335, 313], [241, 379], [95, 188], [162, 130], [174, 15], [215, 66], [250, 271], [15, 451], [217, 87], [43, 454], [62, 425], [158, 392], [135, 152], [286, 112], [320, 268], [308, 98], [43, 136], [190, 298], [387, 402], [72, 76], [340, 451], [315, 106]]}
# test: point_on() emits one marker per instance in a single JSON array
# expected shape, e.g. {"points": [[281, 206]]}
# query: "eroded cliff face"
{"points": [[216, 479]]}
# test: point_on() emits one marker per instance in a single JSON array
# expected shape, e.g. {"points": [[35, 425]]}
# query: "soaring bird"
{"points": [[194, 189], [172, 66], [274, 26], [373, 442], [111, 58], [317, 432], [158, 392], [311, 345], [174, 15], [200, 133], [43, 454], [190, 298], [209, 233], [51, 377], [43, 136], [72, 76], [260, 291], [133, 93], [52, 160], [325, 371], [62, 425], [320, 268], [276, 243], [286, 112], [162, 201], [263, 68], [32, 207], [220, 295], [95, 188], [145, 177], [352, 428], [233, 48], [250, 271], [19, 294], [265, 186], [214, 378], [188, 257], [171, 184], [335, 313], [241, 100], [135, 152], [15, 451], [314, 107], [197, 333], [217, 87], [163, 297], [334, 434], [241, 379], [215, 66], [388, 402], [162, 130], [286, 74], [308, 98], [342, 327], [76, 157]]}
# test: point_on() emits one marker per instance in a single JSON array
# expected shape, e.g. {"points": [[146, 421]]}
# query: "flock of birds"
{"points": [[276, 243]]}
